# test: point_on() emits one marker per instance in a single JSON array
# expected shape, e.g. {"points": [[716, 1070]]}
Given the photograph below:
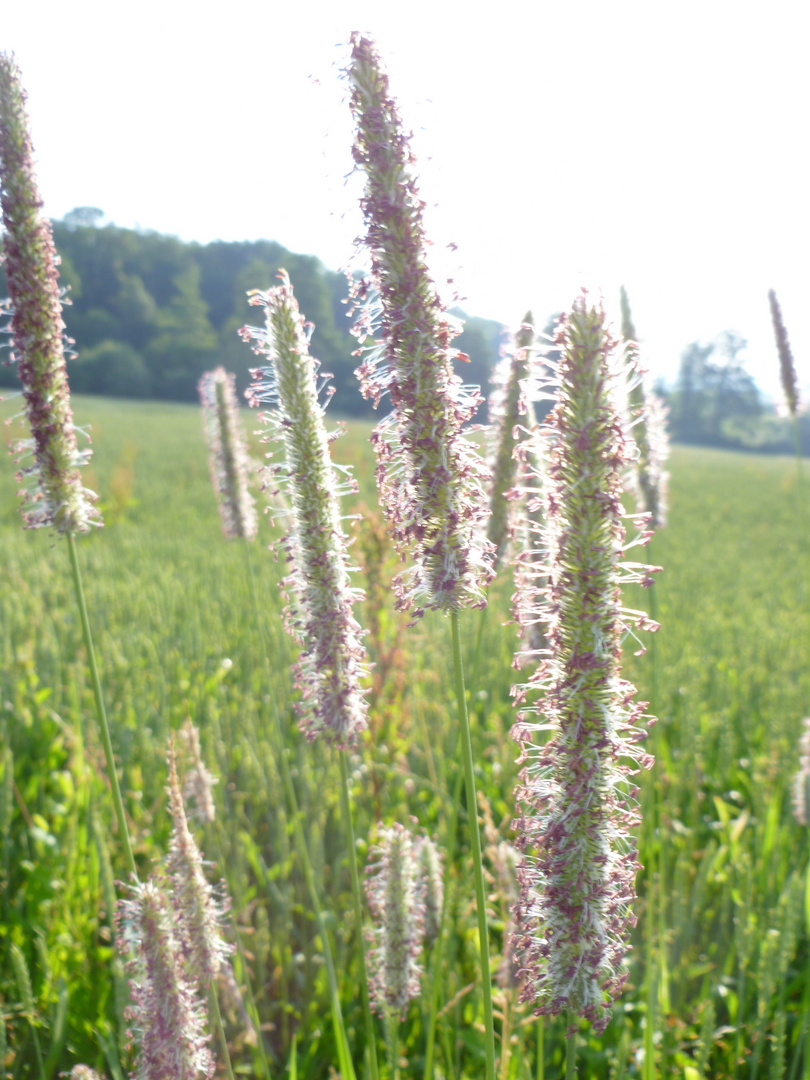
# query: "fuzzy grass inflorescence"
{"points": [[51, 485], [228, 456], [576, 801], [332, 665], [396, 895], [787, 369], [801, 779], [648, 419], [167, 1014], [200, 910], [430, 476], [509, 410]]}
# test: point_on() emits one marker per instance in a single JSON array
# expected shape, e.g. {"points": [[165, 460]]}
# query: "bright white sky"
{"points": [[599, 142]]}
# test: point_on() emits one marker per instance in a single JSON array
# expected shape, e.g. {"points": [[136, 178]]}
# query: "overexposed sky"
{"points": [[663, 146]]}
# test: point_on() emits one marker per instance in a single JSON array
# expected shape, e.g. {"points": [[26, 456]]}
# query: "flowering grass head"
{"points": [[648, 419], [198, 784], [430, 476], [801, 781], [199, 910], [429, 868], [168, 1017], [332, 660], [396, 896], [509, 411], [787, 369], [576, 799], [530, 562], [228, 456], [51, 484]]}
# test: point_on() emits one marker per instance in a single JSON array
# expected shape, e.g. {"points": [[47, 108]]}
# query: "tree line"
{"points": [[150, 313]]}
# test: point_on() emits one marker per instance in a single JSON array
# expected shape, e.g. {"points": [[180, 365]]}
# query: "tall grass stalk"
{"points": [[475, 846], [50, 474], [348, 824], [338, 1025], [571, 1048], [101, 712]]}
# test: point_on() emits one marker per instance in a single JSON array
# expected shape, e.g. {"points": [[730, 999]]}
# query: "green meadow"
{"points": [[188, 625]]}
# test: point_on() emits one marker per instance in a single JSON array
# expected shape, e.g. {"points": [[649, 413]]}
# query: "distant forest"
{"points": [[150, 313]]}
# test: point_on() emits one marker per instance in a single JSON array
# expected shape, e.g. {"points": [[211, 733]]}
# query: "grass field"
{"points": [[189, 625]]}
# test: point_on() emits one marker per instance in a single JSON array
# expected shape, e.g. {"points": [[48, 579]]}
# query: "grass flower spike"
{"points": [[575, 796], [430, 476], [508, 409], [228, 454], [331, 664], [648, 420], [801, 781], [198, 910], [429, 865], [198, 786], [52, 484], [396, 897], [787, 369], [169, 1018]]}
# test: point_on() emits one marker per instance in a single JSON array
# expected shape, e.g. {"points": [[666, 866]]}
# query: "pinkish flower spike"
{"points": [[648, 420], [199, 782], [168, 1017], [430, 477], [575, 798], [198, 909], [228, 454], [801, 780], [787, 369], [52, 484], [319, 616], [396, 899], [509, 413]]}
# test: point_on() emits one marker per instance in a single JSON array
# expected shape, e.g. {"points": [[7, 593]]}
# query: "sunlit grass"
{"points": [[176, 636]]}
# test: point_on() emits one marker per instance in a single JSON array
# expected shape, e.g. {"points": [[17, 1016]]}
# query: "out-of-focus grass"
{"points": [[179, 633]]}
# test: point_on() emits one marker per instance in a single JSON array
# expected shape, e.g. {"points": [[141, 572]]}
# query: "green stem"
{"points": [[571, 1049], [651, 820], [475, 845], [253, 1011], [541, 1068], [303, 852], [101, 712], [346, 813], [451, 834], [212, 997]]}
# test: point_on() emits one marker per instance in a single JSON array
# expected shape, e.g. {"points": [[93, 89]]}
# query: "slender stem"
{"points": [[541, 1052], [212, 997], [451, 835], [101, 712], [505, 1038], [392, 1043], [651, 821], [571, 1049], [303, 850], [346, 814], [482, 622], [806, 1020], [252, 1010], [475, 845]]}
